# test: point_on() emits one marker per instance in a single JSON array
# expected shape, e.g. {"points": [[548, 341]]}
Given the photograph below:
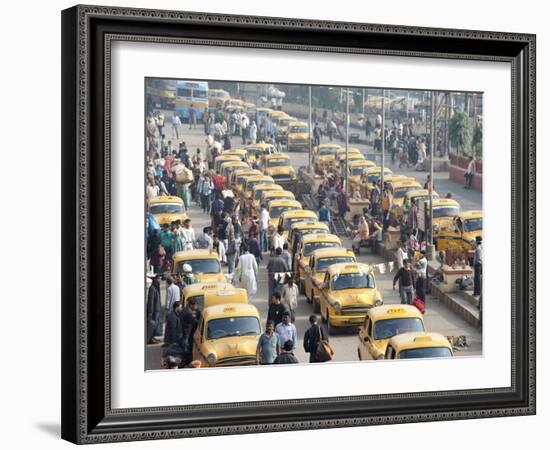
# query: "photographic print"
{"points": [[295, 223]]}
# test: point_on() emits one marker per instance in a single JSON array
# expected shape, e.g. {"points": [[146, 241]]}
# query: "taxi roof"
{"points": [[260, 178], [195, 254], [268, 187], [224, 157], [259, 145], [165, 199], [230, 310], [298, 213], [420, 193], [306, 225], [199, 288], [419, 339], [297, 124], [395, 311], [235, 151], [378, 169], [445, 202], [277, 155], [337, 146], [355, 267], [279, 113], [362, 162], [473, 214], [234, 164], [262, 109], [350, 150], [284, 202], [331, 252], [320, 237], [283, 193], [247, 171], [407, 182]]}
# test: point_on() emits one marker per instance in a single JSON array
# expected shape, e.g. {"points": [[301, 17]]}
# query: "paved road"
{"points": [[438, 317]]}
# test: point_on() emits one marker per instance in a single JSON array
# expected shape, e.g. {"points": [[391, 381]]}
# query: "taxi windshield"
{"points": [[352, 281], [473, 224], [289, 222], [327, 151], [278, 162], [166, 208], [401, 192], [311, 247], [445, 211], [387, 328], [298, 129], [285, 122], [232, 326], [426, 352], [324, 263], [200, 265], [251, 184], [200, 301], [276, 211], [357, 170], [255, 151]]}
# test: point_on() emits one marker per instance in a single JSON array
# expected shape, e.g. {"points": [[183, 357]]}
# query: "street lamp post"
{"points": [[383, 143], [347, 141], [310, 133], [430, 246]]}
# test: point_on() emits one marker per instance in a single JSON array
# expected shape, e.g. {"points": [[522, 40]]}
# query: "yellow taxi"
{"points": [[210, 294], [443, 210], [238, 152], [237, 176], [166, 209], [308, 245], [348, 292], [279, 167], [374, 173], [249, 108], [357, 167], [227, 168], [277, 208], [241, 179], [381, 324], [400, 189], [297, 137], [418, 345], [227, 335], [288, 218], [256, 197], [304, 228], [217, 97], [277, 116], [246, 192], [389, 180], [257, 151], [222, 159], [314, 273], [282, 127], [352, 157], [325, 155], [460, 232], [204, 263], [233, 103], [268, 196]]}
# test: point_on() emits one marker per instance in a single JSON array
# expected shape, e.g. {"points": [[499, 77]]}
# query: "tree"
{"points": [[477, 142], [459, 131]]}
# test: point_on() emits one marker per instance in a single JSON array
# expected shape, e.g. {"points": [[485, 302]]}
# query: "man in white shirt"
{"points": [[279, 240], [469, 175], [176, 123], [172, 294], [286, 330], [188, 235], [400, 256], [264, 225]]}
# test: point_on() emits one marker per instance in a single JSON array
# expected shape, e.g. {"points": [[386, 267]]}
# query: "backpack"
{"points": [[420, 305]]}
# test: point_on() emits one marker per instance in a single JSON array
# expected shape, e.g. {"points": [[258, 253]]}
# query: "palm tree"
{"points": [[459, 131]]}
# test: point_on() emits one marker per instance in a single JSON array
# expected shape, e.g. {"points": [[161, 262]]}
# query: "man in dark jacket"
{"points": [[312, 336], [286, 356], [154, 325], [276, 265], [189, 319], [407, 281], [173, 330], [276, 309]]}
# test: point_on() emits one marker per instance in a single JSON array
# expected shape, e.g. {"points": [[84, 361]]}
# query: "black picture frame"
{"points": [[87, 33]]}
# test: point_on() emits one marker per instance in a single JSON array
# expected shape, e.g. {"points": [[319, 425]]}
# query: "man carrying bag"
{"points": [[316, 342]]}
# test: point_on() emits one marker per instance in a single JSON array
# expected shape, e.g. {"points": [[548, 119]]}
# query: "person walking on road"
{"points": [[268, 345], [231, 252], [276, 309], [247, 272], [313, 335], [264, 225], [287, 330], [276, 268], [189, 318], [469, 174], [286, 356], [154, 324], [176, 123], [290, 297], [407, 281], [478, 259], [188, 235], [173, 294]]}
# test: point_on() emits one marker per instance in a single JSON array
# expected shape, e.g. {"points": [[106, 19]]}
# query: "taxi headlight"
{"points": [[378, 302], [337, 306], [211, 358]]}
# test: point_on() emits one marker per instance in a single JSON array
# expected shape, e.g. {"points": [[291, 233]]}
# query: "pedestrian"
{"points": [[387, 202], [412, 216], [269, 345], [205, 240], [264, 225], [285, 254], [287, 330], [276, 309], [205, 192], [276, 269], [289, 297], [247, 272], [401, 255], [154, 321], [317, 135], [286, 356], [253, 132], [176, 123], [342, 202], [219, 247], [189, 320], [188, 235], [231, 252], [324, 214], [166, 237], [469, 174], [254, 247], [173, 294], [478, 260], [313, 335], [279, 239], [177, 242], [173, 330], [406, 278], [429, 183], [218, 181], [192, 117]]}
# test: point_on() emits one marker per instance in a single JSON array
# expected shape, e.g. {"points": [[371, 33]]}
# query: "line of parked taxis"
{"points": [[454, 229], [339, 287]]}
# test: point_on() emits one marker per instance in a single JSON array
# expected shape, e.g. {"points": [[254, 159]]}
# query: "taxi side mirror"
{"points": [[366, 338]]}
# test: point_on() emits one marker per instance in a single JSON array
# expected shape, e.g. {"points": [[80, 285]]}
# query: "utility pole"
{"points": [[347, 141], [383, 143], [430, 246], [310, 133]]}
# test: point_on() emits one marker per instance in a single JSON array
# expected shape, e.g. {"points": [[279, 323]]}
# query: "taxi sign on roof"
{"points": [[209, 286], [350, 266], [229, 308], [396, 310], [225, 293]]}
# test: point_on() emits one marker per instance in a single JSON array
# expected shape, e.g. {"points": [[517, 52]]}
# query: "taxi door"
{"points": [[365, 339]]}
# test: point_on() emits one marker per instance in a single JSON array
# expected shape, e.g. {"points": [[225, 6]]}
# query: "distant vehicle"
{"points": [[191, 95]]}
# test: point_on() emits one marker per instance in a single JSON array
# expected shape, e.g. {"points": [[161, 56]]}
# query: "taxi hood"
{"points": [[233, 346], [356, 297]]}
